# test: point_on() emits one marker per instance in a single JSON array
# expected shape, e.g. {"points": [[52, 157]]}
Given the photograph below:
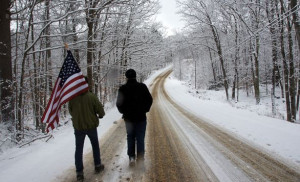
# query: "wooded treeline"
{"points": [[243, 44], [106, 37]]}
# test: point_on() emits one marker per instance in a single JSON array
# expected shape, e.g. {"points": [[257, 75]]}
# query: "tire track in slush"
{"points": [[169, 160]]}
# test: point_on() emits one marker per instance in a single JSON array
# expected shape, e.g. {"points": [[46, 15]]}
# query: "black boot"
{"points": [[80, 176], [99, 168], [131, 161]]}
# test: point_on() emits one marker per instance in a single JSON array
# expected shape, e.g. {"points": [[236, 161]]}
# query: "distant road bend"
{"points": [[181, 147]]}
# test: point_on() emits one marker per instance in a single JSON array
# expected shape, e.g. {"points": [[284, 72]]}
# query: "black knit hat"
{"points": [[130, 74]]}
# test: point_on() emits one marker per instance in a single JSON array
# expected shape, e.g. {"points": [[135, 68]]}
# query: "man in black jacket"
{"points": [[134, 101]]}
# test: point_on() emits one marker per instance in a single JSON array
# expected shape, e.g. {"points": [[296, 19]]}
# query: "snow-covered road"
{"points": [[207, 152]]}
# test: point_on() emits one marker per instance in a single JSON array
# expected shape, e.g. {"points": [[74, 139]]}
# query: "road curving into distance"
{"points": [[182, 147]]}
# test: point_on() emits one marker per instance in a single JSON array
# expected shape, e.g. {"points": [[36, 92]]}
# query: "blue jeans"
{"points": [[136, 134], [79, 137]]}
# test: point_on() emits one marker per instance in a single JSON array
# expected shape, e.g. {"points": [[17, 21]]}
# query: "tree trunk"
{"points": [[256, 15], [6, 94], [296, 19], [48, 45], [298, 96], [271, 16], [90, 55], [91, 21], [246, 62], [235, 81], [35, 92], [296, 22], [43, 91], [254, 71], [124, 54], [292, 80], [74, 36], [95, 69], [285, 66], [98, 78], [256, 76], [219, 48], [212, 65]]}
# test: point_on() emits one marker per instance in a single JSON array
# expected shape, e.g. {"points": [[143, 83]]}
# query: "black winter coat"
{"points": [[134, 101]]}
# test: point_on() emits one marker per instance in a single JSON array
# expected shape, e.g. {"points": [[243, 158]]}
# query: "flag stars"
{"points": [[69, 68]]}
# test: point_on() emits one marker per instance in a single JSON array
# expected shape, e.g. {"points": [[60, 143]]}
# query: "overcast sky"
{"points": [[168, 16]]}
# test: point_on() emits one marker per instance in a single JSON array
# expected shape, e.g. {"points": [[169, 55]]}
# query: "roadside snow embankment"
{"points": [[276, 136]]}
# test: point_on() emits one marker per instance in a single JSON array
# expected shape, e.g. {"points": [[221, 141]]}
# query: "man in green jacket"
{"points": [[86, 109]]}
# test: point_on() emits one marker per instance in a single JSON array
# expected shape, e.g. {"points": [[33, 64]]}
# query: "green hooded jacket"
{"points": [[86, 109]]}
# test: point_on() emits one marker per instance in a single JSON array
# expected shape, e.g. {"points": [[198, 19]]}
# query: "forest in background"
{"points": [[234, 45], [242, 45]]}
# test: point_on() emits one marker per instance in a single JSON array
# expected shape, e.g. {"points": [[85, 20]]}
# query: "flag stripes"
{"points": [[69, 84]]}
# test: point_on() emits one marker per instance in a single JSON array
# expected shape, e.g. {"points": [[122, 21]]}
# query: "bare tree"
{"points": [[198, 12], [296, 21], [292, 73]]}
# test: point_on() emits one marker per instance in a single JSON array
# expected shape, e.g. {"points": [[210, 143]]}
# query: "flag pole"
{"points": [[67, 46]]}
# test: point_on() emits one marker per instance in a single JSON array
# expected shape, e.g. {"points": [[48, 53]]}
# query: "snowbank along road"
{"points": [[182, 147]]}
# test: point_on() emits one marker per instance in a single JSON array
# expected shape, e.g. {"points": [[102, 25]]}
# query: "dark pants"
{"points": [[79, 137], [136, 133]]}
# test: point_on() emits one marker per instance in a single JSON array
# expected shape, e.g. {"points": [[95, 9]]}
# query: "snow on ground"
{"points": [[43, 161], [274, 135]]}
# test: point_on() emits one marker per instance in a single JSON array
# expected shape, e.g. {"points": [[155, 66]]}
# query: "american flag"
{"points": [[69, 84]]}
